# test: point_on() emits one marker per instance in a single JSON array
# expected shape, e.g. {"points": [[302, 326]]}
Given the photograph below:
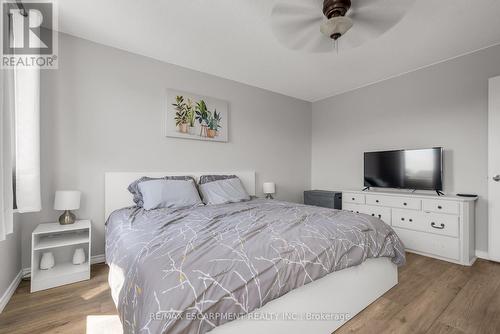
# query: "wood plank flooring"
{"points": [[432, 297]]}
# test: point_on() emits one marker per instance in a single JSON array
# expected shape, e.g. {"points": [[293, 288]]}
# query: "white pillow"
{"points": [[224, 191], [168, 194]]}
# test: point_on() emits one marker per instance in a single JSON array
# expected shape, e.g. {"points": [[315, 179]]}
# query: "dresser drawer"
{"points": [[356, 208], [440, 206], [353, 198], [407, 219], [432, 244], [426, 222], [395, 202], [382, 213]]}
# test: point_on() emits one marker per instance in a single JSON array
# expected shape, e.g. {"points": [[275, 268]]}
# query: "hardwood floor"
{"points": [[432, 297], [435, 297], [60, 310]]}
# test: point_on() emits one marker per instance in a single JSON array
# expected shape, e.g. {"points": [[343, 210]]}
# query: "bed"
{"points": [[262, 266]]}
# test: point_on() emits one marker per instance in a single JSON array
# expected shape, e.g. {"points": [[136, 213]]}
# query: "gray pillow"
{"points": [[211, 178], [133, 188], [169, 194], [229, 190]]}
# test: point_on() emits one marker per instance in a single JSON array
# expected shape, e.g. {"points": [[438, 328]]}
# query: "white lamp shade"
{"points": [[67, 200], [269, 188]]}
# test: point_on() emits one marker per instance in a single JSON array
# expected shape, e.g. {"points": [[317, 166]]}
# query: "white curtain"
{"points": [[27, 129], [20, 139], [6, 152]]}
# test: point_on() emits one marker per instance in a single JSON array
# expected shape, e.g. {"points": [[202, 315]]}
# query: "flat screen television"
{"points": [[420, 169]]}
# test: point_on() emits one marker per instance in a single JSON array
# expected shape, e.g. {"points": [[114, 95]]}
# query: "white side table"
{"points": [[61, 240]]}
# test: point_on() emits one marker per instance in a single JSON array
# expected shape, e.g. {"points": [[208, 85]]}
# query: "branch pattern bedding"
{"points": [[189, 270]]}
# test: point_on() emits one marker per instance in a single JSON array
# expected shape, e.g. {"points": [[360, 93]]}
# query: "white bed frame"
{"points": [[345, 292]]}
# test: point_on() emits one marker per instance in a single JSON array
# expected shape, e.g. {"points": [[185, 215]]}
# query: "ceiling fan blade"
{"points": [[358, 4], [297, 7], [289, 32], [386, 4], [355, 37], [299, 39], [372, 21], [293, 25], [385, 13], [319, 43]]}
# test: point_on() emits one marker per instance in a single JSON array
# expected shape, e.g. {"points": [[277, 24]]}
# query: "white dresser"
{"points": [[431, 225]]}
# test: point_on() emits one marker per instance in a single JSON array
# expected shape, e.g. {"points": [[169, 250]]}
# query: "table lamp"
{"points": [[67, 200], [269, 188]]}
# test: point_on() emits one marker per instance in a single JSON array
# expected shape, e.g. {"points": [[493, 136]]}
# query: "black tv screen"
{"points": [[420, 169]]}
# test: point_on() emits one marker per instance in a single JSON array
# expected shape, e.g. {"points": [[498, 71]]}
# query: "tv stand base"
{"points": [[439, 192]]}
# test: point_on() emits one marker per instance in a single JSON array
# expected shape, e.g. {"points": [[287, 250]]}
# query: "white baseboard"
{"points": [[101, 258], [10, 290], [26, 272], [482, 254]]}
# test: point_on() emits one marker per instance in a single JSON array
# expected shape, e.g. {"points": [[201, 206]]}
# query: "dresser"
{"points": [[437, 226]]}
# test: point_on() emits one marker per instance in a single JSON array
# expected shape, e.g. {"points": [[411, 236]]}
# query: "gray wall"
{"points": [[10, 257], [442, 105], [103, 111]]}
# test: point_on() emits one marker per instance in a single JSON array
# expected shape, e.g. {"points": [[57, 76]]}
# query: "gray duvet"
{"points": [[189, 270]]}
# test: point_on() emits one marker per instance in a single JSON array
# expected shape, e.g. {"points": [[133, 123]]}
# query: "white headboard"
{"points": [[116, 195]]}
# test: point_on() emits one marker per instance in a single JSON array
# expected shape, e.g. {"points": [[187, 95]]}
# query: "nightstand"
{"points": [[61, 241]]}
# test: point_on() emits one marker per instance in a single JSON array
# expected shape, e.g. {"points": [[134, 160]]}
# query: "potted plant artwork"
{"points": [[211, 128], [181, 115], [196, 117], [213, 124], [202, 116], [190, 116], [218, 120]]}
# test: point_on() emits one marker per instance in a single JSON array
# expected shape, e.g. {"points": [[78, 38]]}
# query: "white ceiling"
{"points": [[233, 39]]}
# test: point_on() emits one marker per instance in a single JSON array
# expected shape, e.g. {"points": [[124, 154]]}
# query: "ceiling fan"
{"points": [[318, 25]]}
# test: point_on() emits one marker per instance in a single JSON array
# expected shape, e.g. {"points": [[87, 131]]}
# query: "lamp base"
{"points": [[269, 196], [67, 218]]}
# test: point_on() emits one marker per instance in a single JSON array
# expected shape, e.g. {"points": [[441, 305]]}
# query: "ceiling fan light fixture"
{"points": [[336, 27]]}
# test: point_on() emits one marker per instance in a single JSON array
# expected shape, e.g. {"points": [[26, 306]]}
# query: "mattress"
{"points": [[192, 269]]}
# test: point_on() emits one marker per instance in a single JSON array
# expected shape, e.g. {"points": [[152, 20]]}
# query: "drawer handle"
{"points": [[411, 220], [433, 224], [353, 198], [402, 219], [373, 215], [405, 203], [357, 211], [380, 216], [376, 201], [440, 207]]}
